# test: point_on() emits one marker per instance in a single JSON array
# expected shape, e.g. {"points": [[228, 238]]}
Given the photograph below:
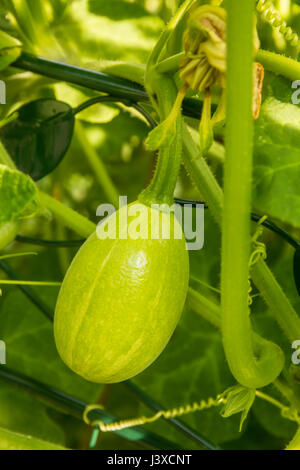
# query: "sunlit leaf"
{"points": [[277, 161], [17, 191], [15, 441], [26, 331], [10, 49]]}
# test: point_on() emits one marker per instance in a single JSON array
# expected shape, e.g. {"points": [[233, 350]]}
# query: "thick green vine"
{"points": [[253, 369]]}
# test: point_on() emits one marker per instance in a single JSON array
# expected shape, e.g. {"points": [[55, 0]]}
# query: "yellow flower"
{"points": [[205, 46]]}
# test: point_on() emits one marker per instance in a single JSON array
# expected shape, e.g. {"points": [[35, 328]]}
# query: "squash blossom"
{"points": [[204, 64]]}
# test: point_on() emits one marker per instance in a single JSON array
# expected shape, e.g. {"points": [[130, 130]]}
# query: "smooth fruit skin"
{"points": [[120, 303]]}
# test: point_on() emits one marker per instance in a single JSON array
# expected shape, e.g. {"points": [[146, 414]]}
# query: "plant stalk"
{"points": [[253, 369], [67, 216]]}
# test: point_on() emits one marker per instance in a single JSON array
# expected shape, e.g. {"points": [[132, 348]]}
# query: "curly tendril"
{"points": [[167, 414], [221, 399], [259, 252], [273, 17]]}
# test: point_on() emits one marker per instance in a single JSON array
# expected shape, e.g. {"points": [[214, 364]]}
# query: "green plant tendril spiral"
{"points": [[273, 17]]}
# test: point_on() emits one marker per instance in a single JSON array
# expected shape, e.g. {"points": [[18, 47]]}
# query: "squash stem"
{"points": [[161, 189]]}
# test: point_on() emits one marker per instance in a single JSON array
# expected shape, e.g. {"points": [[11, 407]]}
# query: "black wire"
{"points": [[190, 202], [98, 81], [77, 407], [279, 231], [256, 218], [124, 90], [76, 243], [93, 101], [115, 99], [50, 243], [144, 113], [48, 313]]}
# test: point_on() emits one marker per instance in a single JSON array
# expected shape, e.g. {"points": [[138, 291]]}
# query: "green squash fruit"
{"points": [[122, 298], [8, 233]]}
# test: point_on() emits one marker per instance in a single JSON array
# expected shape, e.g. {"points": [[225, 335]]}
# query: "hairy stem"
{"points": [[161, 189], [208, 186], [202, 175], [279, 64], [253, 369], [279, 304]]}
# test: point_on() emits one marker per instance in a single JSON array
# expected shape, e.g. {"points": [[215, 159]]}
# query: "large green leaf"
{"points": [[117, 9], [24, 413], [15, 441], [30, 347], [100, 31], [277, 161]]}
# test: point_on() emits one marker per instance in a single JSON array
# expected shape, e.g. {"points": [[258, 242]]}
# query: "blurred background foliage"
{"points": [[89, 33]]}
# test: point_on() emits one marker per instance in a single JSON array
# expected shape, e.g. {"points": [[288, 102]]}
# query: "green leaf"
{"points": [[10, 49], [271, 419], [277, 161], [279, 87], [116, 9], [39, 138], [295, 443], [30, 347], [100, 31], [17, 191], [13, 441], [239, 400]]}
